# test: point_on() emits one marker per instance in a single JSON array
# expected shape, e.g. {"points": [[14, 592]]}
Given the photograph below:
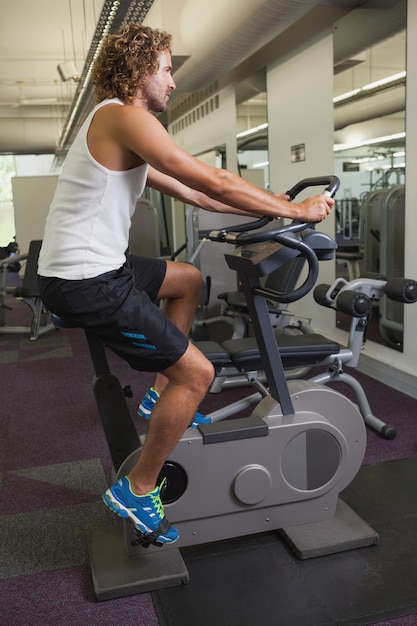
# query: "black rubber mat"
{"points": [[256, 580]]}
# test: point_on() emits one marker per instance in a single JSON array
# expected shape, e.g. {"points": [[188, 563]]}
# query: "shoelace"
{"points": [[157, 504], [156, 500]]}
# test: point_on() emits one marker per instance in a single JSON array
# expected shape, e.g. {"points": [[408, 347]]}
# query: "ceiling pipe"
{"points": [[380, 104]]}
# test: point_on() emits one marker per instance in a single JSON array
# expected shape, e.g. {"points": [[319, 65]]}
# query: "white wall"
{"points": [[218, 128], [215, 129], [32, 196], [300, 111], [399, 369]]}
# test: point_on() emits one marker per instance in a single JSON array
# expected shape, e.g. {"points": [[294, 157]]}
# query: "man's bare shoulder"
{"points": [[122, 114], [125, 122]]}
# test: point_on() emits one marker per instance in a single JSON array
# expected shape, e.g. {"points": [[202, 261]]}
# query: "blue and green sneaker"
{"points": [[146, 512]]}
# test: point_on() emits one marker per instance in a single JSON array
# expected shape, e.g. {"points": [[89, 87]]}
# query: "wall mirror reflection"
{"points": [[369, 118], [252, 129]]}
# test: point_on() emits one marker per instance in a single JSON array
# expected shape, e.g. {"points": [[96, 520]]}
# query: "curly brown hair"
{"points": [[125, 59]]}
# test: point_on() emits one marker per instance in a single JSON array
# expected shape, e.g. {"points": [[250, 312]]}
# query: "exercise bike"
{"points": [[282, 467]]}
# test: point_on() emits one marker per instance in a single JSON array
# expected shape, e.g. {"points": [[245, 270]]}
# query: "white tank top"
{"points": [[87, 228]]}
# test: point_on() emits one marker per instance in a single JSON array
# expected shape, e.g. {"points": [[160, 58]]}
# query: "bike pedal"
{"points": [[145, 540]]}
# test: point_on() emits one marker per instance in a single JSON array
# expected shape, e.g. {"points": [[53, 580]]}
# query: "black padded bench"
{"points": [[295, 350]]}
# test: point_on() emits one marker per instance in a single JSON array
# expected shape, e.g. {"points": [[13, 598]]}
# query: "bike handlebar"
{"points": [[239, 233], [285, 235], [288, 240], [332, 182]]}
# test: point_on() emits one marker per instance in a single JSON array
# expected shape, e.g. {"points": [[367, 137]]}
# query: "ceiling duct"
{"points": [[378, 103], [230, 32], [355, 33]]}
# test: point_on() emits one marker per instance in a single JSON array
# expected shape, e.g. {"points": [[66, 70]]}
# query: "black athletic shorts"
{"points": [[119, 306]]}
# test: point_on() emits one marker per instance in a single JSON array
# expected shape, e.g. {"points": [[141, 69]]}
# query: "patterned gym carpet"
{"points": [[55, 464]]}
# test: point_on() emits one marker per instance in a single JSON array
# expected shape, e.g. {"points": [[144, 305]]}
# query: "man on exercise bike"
{"points": [[87, 277]]}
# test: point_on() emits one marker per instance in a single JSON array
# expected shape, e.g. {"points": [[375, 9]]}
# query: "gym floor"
{"points": [[55, 464]]}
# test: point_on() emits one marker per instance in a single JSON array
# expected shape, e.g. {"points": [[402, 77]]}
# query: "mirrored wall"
{"points": [[369, 149], [369, 117], [252, 129]]}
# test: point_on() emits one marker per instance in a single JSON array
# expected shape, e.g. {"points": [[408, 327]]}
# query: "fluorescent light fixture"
{"points": [[252, 131], [393, 166], [380, 157], [378, 83], [368, 142], [261, 164], [385, 81], [345, 96]]}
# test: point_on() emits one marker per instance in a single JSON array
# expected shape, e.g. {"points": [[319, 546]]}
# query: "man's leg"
{"points": [[180, 292], [135, 496], [188, 382]]}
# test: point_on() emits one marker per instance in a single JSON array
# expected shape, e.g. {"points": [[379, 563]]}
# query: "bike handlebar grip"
{"points": [[332, 187], [320, 295], [353, 303], [332, 182], [401, 290]]}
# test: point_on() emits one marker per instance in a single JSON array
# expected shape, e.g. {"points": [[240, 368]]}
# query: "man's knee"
{"points": [[192, 369], [190, 276], [181, 279], [194, 273], [201, 369], [207, 373]]}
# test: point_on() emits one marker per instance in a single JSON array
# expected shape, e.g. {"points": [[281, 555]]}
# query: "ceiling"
{"points": [[36, 37], [36, 104]]}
